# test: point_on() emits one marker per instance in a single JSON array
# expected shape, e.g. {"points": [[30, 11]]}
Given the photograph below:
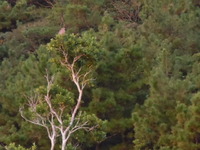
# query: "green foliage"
{"points": [[12, 146], [27, 76], [160, 123], [77, 15], [145, 61], [11, 15]]}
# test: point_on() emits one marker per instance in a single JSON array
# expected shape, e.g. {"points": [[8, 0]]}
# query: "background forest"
{"points": [[145, 58]]}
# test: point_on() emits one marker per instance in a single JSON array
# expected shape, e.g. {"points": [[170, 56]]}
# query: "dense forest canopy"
{"points": [[133, 64]]}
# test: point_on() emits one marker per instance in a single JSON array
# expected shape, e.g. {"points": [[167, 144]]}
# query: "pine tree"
{"points": [[164, 29]]}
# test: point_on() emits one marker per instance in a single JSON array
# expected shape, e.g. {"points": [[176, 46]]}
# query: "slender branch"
{"points": [[48, 97], [80, 79], [46, 121], [36, 121]]}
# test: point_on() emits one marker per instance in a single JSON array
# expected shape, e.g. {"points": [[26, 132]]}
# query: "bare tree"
{"points": [[80, 80], [47, 121], [53, 121]]}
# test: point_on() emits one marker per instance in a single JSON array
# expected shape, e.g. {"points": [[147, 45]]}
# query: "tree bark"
{"points": [[52, 144], [64, 141]]}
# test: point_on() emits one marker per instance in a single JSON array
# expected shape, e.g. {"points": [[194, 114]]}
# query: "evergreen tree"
{"points": [[166, 28]]}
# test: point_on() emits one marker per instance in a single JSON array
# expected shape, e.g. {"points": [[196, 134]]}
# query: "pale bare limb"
{"points": [[80, 79], [46, 121]]}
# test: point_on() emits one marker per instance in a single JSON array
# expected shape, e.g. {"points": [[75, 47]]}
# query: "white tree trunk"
{"points": [[64, 142], [63, 145], [52, 144], [54, 115]]}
